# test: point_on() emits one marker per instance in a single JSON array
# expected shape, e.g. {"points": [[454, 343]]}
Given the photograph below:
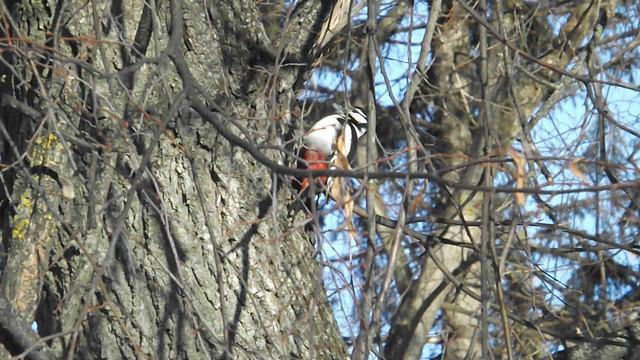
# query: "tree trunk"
{"points": [[449, 278], [138, 229]]}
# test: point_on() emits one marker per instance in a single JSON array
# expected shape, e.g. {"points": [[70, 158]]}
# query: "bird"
{"points": [[330, 143]]}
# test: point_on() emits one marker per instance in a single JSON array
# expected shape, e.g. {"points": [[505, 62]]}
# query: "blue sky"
{"points": [[559, 134]]}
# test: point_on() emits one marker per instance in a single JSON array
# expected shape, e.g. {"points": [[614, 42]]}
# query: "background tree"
{"points": [[146, 151], [477, 112]]}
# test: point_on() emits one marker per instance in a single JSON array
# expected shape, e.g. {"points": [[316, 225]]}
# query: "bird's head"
{"points": [[358, 119]]}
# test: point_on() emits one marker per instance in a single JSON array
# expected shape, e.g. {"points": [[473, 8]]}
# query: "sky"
{"points": [[559, 133]]}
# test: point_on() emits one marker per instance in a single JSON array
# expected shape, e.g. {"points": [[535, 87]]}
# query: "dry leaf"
{"points": [[574, 167], [338, 188], [519, 162], [335, 22], [413, 205]]}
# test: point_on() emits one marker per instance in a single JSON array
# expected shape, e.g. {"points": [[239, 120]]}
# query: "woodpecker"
{"points": [[319, 149]]}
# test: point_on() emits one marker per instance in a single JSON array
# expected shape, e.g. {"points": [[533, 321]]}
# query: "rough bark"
{"points": [[175, 242]]}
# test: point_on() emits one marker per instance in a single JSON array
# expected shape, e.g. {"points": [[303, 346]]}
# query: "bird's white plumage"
{"points": [[323, 134]]}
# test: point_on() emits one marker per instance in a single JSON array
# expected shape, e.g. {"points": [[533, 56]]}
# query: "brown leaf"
{"points": [[338, 188], [520, 175], [574, 167]]}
